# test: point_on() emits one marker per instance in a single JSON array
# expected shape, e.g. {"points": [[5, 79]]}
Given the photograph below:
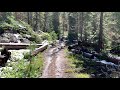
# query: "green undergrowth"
{"points": [[24, 69], [34, 69], [76, 63], [10, 23]]}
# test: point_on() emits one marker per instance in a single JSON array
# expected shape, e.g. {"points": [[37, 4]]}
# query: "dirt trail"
{"points": [[55, 63]]}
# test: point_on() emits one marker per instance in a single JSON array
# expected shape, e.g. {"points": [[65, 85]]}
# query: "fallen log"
{"points": [[15, 46], [76, 51], [88, 55], [113, 59], [84, 49], [98, 55], [40, 49], [106, 63], [73, 46]]}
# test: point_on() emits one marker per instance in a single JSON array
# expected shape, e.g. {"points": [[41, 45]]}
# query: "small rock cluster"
{"points": [[13, 38]]}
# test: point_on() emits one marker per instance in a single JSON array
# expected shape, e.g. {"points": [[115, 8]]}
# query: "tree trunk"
{"points": [[46, 23], [81, 25], [100, 41], [5, 15], [56, 23], [28, 17], [37, 23], [72, 34], [63, 22]]}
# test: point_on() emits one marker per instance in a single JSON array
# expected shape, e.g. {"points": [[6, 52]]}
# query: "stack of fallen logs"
{"points": [[105, 64]]}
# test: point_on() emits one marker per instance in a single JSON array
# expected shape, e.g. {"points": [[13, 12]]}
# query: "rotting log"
{"points": [[13, 46]]}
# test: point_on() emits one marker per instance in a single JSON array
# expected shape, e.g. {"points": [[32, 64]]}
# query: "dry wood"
{"points": [[17, 45], [114, 59], [40, 49]]}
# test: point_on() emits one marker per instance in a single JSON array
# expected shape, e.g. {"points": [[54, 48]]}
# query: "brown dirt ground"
{"points": [[55, 64]]}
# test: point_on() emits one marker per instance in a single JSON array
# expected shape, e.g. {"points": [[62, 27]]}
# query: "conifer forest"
{"points": [[59, 44]]}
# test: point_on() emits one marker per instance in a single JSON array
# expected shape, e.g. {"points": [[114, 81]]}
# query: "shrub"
{"points": [[23, 69], [26, 55], [77, 64], [18, 70], [10, 22], [53, 35], [34, 69], [46, 36]]}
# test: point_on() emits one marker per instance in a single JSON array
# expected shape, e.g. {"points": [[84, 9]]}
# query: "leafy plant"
{"points": [[26, 55], [34, 69], [53, 36], [46, 36], [76, 62]]}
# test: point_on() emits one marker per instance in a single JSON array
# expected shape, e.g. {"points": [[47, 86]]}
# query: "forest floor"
{"points": [[55, 64]]}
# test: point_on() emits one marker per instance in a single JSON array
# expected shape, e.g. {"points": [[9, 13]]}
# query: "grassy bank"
{"points": [[23, 68], [76, 64]]}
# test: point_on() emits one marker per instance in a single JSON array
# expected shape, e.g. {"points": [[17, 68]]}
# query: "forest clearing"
{"points": [[59, 44]]}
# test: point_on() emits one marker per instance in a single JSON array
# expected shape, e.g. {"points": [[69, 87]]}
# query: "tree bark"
{"points": [[63, 22], [16, 45], [46, 23], [100, 41], [40, 49], [56, 23], [81, 25], [37, 23], [72, 34]]}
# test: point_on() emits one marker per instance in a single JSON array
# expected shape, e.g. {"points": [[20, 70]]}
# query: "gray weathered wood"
{"points": [[40, 49], [17, 45]]}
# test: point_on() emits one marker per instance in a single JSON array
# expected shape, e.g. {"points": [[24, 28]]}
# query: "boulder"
{"points": [[7, 38], [7, 35], [27, 36], [4, 40], [24, 40], [13, 39]]}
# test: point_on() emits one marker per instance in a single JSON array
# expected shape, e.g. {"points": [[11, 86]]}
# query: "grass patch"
{"points": [[82, 75], [69, 71], [34, 69], [23, 69], [76, 64]]}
